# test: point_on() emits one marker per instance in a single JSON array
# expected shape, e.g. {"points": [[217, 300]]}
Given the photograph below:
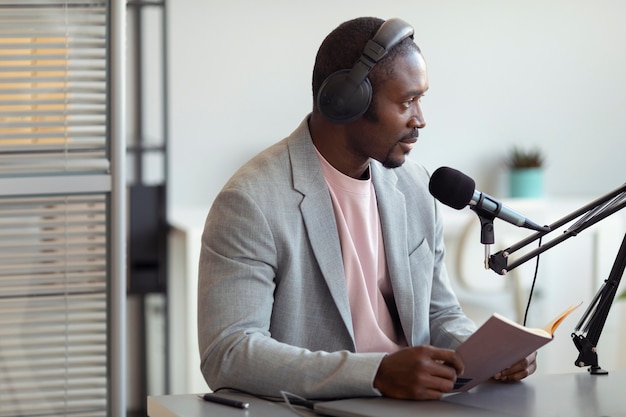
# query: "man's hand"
{"points": [[519, 370], [418, 373]]}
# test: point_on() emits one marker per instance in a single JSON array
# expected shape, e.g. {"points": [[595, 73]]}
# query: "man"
{"points": [[322, 264]]}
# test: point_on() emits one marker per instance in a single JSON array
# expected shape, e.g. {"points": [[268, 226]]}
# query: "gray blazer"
{"points": [[273, 310]]}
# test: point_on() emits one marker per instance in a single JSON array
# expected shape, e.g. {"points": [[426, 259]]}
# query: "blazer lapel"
{"points": [[319, 218], [392, 209]]}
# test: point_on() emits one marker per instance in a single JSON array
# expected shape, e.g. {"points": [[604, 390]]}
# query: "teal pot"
{"points": [[526, 183]]}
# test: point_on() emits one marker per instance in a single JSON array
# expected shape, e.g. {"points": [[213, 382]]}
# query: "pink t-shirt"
{"points": [[369, 288]]}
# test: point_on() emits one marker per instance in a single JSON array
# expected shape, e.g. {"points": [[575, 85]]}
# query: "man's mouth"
{"points": [[411, 138], [407, 144]]}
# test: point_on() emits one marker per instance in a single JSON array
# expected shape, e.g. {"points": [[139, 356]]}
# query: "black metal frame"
{"points": [[148, 203]]}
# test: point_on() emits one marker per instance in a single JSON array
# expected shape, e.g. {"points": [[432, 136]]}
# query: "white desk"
{"points": [[572, 395], [182, 287]]}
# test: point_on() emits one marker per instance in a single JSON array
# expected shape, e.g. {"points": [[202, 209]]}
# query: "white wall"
{"points": [[533, 72]]}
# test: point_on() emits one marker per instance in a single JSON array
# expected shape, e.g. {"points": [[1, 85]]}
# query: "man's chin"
{"points": [[393, 163], [395, 158]]}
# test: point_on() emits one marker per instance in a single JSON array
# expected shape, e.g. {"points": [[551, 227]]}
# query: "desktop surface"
{"points": [[573, 395]]}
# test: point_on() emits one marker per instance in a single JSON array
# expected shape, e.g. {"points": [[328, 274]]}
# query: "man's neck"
{"points": [[330, 141]]}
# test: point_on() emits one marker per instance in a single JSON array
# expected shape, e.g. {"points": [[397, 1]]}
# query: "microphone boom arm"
{"points": [[498, 261], [594, 318]]}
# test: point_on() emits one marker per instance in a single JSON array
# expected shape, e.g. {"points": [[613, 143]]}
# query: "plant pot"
{"points": [[526, 183]]}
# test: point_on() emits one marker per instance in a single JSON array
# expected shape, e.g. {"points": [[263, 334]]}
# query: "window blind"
{"points": [[55, 208], [53, 304], [52, 87]]}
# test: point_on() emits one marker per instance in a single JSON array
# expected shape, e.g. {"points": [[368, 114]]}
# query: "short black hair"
{"points": [[343, 47]]}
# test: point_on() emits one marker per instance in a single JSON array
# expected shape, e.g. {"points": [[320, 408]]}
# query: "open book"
{"points": [[498, 344]]}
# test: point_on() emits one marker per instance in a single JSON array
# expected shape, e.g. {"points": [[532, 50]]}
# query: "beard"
{"points": [[390, 161]]}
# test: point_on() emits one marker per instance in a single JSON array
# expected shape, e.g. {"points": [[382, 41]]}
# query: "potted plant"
{"points": [[526, 172]]}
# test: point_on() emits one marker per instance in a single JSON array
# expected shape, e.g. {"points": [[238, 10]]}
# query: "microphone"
{"points": [[457, 190]]}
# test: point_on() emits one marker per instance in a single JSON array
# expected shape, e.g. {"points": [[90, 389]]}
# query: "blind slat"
{"points": [[55, 53], [53, 305]]}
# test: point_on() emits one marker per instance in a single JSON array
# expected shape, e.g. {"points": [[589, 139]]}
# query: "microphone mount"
{"points": [[486, 218], [589, 329]]}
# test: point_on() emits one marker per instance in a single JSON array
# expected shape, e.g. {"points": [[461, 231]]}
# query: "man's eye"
{"points": [[407, 104]]}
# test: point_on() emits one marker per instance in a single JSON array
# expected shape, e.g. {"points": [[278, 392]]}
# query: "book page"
{"points": [[552, 326], [539, 332]]}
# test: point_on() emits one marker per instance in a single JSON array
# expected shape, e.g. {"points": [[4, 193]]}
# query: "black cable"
{"points": [[532, 287]]}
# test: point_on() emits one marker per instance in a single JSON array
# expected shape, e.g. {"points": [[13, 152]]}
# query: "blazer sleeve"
{"points": [[238, 273]]}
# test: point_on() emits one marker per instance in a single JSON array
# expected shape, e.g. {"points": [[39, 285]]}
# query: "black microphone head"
{"points": [[452, 187]]}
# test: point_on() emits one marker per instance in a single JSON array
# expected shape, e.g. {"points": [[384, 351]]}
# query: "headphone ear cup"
{"points": [[341, 99]]}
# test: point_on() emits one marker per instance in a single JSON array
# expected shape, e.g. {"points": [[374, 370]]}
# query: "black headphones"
{"points": [[345, 95]]}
